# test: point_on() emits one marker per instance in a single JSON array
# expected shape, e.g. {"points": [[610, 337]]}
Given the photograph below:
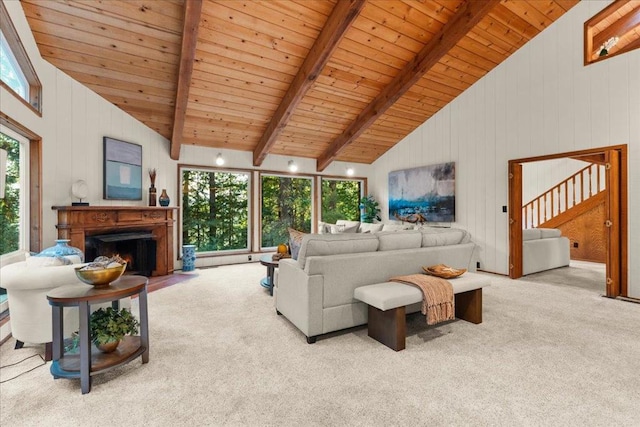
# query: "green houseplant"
{"points": [[369, 209], [108, 326]]}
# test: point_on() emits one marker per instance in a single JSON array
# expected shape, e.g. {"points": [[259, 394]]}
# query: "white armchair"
{"points": [[27, 284]]}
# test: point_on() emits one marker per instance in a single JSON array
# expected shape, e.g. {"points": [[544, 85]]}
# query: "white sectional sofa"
{"points": [[316, 291], [544, 249]]}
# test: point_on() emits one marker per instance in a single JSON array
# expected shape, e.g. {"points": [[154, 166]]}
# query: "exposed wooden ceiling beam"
{"points": [[459, 25], [619, 28], [192, 10], [341, 18]]}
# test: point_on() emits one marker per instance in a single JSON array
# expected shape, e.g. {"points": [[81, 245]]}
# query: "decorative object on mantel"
{"points": [[164, 198], [79, 190], [122, 170], [152, 189], [60, 249]]}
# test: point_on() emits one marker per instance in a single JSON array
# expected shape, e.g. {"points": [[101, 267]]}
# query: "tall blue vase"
{"points": [[188, 257], [62, 248]]}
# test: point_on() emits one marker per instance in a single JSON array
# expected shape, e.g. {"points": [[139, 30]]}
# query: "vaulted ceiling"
{"points": [[330, 80]]}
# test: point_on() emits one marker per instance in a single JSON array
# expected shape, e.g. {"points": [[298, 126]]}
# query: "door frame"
{"points": [[617, 243]]}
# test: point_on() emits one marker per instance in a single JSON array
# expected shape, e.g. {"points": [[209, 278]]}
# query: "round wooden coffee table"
{"points": [[271, 264]]}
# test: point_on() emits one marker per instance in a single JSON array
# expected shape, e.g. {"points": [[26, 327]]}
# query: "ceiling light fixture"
{"points": [[219, 160], [292, 166], [350, 171]]}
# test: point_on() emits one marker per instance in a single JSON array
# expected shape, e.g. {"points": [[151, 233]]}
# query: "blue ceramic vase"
{"points": [[188, 257], [62, 248]]}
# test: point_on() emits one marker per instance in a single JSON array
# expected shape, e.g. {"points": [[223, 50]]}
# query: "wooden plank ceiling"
{"points": [[331, 80]]}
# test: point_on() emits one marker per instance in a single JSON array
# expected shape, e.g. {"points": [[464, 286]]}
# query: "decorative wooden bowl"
{"points": [[100, 277], [444, 271]]}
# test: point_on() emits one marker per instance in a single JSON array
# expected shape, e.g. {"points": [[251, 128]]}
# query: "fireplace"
{"points": [[144, 234], [137, 248]]}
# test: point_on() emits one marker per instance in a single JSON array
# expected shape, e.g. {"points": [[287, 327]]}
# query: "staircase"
{"points": [[567, 200]]}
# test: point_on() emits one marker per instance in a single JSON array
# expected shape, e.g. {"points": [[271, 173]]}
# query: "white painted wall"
{"points": [[73, 123], [539, 177], [542, 100]]}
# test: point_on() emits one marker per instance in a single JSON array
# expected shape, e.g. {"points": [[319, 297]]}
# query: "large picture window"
{"points": [[286, 202], [14, 225], [340, 199], [215, 210]]}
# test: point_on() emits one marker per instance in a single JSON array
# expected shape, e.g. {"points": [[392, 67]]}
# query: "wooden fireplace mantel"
{"points": [[78, 222]]}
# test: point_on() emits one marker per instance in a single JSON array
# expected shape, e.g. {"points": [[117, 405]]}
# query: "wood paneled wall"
{"points": [[588, 232], [541, 100]]}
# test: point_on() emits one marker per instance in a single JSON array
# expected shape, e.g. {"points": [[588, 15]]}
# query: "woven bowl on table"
{"points": [[100, 277], [444, 271]]}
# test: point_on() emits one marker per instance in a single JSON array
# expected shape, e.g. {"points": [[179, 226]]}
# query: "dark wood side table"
{"points": [[90, 361], [271, 264]]}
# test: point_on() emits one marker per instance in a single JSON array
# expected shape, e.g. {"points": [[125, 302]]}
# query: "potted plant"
{"points": [[369, 209], [108, 326]]}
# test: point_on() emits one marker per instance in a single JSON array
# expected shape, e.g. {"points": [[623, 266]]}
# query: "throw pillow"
{"points": [[295, 241], [324, 227]]}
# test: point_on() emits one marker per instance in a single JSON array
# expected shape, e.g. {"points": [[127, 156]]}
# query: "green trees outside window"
{"points": [[286, 202], [10, 205], [215, 210], [340, 200]]}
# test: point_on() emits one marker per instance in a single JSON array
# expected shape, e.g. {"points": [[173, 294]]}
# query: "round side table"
{"points": [[90, 361]]}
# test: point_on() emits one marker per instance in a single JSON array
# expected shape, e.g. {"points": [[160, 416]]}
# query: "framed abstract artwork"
{"points": [[423, 194], [122, 170]]}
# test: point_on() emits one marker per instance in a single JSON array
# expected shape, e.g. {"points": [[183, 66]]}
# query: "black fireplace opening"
{"points": [[137, 248]]}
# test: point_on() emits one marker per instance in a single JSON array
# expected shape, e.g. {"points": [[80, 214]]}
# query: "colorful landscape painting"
{"points": [[423, 194]]}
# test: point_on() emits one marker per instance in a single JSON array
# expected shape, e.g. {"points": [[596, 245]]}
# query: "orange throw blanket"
{"points": [[437, 296]]}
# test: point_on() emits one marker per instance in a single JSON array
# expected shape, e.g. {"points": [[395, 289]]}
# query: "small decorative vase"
{"points": [[109, 347], [164, 198], [152, 195], [188, 257], [62, 248]]}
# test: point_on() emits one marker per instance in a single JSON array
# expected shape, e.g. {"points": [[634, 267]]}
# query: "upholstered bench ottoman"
{"points": [[387, 302]]}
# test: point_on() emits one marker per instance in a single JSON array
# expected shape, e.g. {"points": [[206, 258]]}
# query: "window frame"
{"points": [[208, 169], [34, 99]]}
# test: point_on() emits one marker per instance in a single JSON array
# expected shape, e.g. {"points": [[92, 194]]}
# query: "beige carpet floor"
{"points": [[546, 355]]}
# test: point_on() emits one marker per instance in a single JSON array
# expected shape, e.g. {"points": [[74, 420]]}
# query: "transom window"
{"points": [[16, 72]]}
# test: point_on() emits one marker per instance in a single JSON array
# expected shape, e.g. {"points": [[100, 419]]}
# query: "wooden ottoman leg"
{"points": [[388, 327], [469, 306]]}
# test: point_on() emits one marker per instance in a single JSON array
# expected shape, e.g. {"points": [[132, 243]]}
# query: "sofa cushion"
{"points": [[530, 234], [547, 233], [443, 237], [366, 227], [324, 227], [335, 244], [393, 240], [348, 224], [341, 228], [396, 227]]}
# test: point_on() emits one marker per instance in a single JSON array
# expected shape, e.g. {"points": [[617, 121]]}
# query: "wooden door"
{"points": [[613, 223], [515, 220]]}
